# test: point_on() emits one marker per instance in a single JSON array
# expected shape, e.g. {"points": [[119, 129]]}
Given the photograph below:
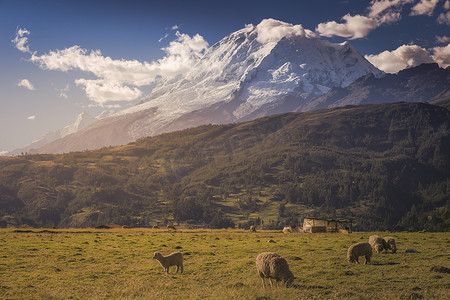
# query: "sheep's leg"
{"points": [[263, 283], [178, 267], [270, 280], [181, 267], [356, 260], [167, 270]]}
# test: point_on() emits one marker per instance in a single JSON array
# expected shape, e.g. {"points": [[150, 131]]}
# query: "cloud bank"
{"points": [[407, 56], [117, 79], [26, 84]]}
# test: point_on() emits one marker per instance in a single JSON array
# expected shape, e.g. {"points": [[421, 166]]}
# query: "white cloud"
{"points": [[424, 7], [31, 117], [447, 5], [270, 30], [444, 18], [378, 6], [353, 27], [175, 27], [359, 26], [403, 57], [102, 91], [26, 84], [20, 41], [119, 79], [443, 39], [441, 55]]}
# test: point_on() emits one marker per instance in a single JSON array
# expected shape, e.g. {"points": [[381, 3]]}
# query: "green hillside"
{"points": [[386, 166]]}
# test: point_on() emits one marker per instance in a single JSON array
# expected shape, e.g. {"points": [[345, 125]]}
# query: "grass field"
{"points": [[218, 264]]}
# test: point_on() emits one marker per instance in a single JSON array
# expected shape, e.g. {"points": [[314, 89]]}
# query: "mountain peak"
{"points": [[255, 71]]}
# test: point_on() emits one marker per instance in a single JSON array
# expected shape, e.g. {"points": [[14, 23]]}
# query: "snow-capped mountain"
{"points": [[82, 121], [259, 70]]}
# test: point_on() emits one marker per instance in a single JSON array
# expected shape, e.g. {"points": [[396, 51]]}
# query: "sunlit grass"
{"points": [[219, 264]]}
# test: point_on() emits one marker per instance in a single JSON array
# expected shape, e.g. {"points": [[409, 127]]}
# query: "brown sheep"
{"points": [[273, 266], [171, 227], [359, 249], [390, 244]]}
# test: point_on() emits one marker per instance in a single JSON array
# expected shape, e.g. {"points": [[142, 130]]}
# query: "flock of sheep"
{"points": [[365, 249], [270, 265]]}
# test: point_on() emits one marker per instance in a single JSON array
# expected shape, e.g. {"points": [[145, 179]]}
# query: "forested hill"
{"points": [[386, 166]]}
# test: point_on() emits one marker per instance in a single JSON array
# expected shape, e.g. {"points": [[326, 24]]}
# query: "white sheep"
{"points": [[287, 229], [359, 249], [173, 259], [390, 244], [252, 228], [377, 243], [290, 229], [271, 265]]}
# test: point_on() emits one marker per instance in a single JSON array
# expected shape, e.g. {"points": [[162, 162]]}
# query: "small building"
{"points": [[315, 225]]}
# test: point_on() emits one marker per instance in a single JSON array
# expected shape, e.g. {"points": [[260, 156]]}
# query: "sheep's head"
{"points": [[156, 255], [392, 246], [287, 278]]}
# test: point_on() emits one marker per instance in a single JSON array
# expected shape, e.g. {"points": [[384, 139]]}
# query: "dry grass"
{"points": [[219, 264]]}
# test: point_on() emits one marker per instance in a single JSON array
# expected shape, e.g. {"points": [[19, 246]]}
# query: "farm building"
{"points": [[313, 225]]}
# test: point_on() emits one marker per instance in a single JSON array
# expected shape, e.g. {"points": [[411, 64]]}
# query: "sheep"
{"points": [[390, 244], [290, 229], [173, 259], [252, 228], [377, 243], [171, 227], [155, 227], [359, 249], [271, 265], [287, 229]]}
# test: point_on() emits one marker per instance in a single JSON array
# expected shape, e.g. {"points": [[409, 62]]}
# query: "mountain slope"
{"points": [[419, 84], [82, 121], [384, 165], [253, 72]]}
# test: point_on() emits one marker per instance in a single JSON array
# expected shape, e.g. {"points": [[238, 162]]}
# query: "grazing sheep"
{"points": [[252, 228], [155, 227], [271, 241], [377, 243], [173, 259], [171, 227], [359, 249], [287, 229], [271, 265], [390, 244]]}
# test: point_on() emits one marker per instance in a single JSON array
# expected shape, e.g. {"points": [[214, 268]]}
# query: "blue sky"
{"points": [[49, 74]]}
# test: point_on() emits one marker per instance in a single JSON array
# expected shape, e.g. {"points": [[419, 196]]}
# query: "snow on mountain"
{"points": [[83, 120], [255, 71]]}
